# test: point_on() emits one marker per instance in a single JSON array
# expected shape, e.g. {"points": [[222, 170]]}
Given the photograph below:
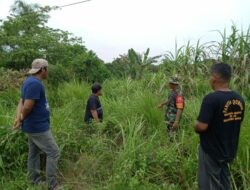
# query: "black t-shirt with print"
{"points": [[93, 104], [223, 112]]}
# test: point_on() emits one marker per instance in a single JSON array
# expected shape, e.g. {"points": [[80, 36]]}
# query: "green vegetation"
{"points": [[131, 149], [24, 36]]}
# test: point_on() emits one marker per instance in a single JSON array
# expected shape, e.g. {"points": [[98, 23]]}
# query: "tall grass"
{"points": [[192, 61], [130, 150]]}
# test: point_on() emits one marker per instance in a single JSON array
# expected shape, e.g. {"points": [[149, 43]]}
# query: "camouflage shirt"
{"points": [[176, 101]]}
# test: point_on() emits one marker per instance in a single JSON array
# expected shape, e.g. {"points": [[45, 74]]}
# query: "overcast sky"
{"points": [[111, 27]]}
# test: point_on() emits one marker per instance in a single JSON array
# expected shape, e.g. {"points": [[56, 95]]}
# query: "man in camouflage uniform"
{"points": [[174, 105]]}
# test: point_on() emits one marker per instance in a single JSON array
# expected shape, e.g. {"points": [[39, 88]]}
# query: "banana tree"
{"points": [[140, 62]]}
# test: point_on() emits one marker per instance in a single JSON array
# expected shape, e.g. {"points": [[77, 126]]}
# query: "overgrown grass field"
{"points": [[129, 150]]}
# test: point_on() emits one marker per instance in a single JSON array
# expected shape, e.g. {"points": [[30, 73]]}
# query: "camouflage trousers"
{"points": [[170, 119]]}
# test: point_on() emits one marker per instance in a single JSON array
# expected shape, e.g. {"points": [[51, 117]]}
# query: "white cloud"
{"points": [[111, 27]]}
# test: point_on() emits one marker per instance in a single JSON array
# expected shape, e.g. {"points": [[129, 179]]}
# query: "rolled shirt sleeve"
{"points": [[33, 91]]}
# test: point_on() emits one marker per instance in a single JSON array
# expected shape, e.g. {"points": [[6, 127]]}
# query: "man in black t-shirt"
{"points": [[94, 108], [218, 125]]}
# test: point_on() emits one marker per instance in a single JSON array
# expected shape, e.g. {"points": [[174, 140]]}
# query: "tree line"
{"points": [[24, 36]]}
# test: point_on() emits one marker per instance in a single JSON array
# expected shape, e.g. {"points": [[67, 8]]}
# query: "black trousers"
{"points": [[212, 174]]}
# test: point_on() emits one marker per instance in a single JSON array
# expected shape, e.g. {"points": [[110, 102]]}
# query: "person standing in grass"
{"points": [[174, 105], [218, 125], [33, 115], [94, 108]]}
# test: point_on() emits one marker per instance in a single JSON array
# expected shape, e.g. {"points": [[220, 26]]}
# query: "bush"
{"points": [[58, 74], [88, 67], [10, 79]]}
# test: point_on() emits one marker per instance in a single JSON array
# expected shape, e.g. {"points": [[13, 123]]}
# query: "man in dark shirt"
{"points": [[218, 125], [33, 114], [94, 108]]}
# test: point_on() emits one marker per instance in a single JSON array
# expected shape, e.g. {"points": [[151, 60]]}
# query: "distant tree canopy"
{"points": [[120, 67], [25, 36]]}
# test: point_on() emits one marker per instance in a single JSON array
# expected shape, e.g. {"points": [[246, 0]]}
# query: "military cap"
{"points": [[174, 80]]}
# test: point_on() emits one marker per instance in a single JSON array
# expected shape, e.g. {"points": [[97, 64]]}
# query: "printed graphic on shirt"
{"points": [[47, 105], [99, 110], [233, 111]]}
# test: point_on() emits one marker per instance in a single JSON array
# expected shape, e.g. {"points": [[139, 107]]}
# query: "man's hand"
{"points": [[95, 116], [176, 125], [17, 124], [160, 106], [19, 115], [200, 127]]}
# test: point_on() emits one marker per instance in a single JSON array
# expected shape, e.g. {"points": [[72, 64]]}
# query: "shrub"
{"points": [[58, 74], [10, 79]]}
